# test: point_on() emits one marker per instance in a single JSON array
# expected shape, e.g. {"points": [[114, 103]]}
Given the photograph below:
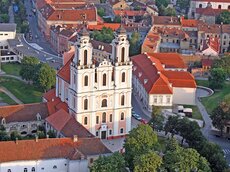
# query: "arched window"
{"points": [[200, 6], [25, 169], [122, 54], [104, 103], [104, 79], [122, 116], [229, 7], [85, 104], [85, 121], [33, 169], [85, 57], [121, 130], [110, 118], [219, 6], [86, 80], [122, 100], [104, 117], [9, 170], [123, 77]]}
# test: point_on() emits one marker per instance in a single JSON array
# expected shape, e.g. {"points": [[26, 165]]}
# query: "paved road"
{"points": [[33, 24], [7, 92]]}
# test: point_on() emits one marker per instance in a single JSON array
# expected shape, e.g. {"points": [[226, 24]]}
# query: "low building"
{"points": [[8, 56], [7, 31], [57, 154], [160, 79], [119, 4], [25, 119]]}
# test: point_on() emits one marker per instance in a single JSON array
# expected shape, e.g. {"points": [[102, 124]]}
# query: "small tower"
{"points": [[120, 46], [83, 53]]}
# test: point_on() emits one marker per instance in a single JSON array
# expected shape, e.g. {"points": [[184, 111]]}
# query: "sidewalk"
{"points": [[4, 90]]}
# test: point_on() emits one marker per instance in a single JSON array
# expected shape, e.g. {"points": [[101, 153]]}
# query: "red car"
{"points": [[144, 121]]}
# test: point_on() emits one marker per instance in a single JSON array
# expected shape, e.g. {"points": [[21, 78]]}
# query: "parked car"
{"points": [[144, 121], [137, 117]]}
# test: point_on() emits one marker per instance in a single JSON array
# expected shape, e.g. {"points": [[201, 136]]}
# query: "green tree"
{"points": [[4, 18], [183, 4], [224, 17], [215, 157], [157, 118], [169, 11], [117, 19], [113, 163], [135, 47], [101, 12], [178, 158], [223, 63], [217, 78], [172, 125], [148, 162], [46, 77], [221, 115], [105, 35], [140, 140], [15, 135], [29, 68], [4, 136], [162, 2]]}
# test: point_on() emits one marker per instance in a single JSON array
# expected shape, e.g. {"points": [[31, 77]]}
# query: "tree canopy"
{"points": [[224, 17], [135, 47], [113, 163], [105, 35], [217, 78]]}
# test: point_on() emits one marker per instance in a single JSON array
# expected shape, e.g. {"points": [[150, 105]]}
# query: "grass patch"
{"points": [[202, 83], [24, 92], [6, 99], [195, 112], [11, 68], [212, 102]]}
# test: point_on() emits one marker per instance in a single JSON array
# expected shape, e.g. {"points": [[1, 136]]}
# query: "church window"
{"points": [[121, 130], [229, 7], [86, 81], [74, 79], [104, 80], [33, 169], [25, 169], [104, 117], [122, 116], [110, 118], [97, 119], [95, 76], [200, 6], [104, 103], [85, 121], [123, 54], [123, 77], [219, 6], [85, 57], [54, 167], [85, 104], [122, 100]]}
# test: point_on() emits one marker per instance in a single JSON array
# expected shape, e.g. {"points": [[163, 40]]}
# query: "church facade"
{"points": [[98, 89]]}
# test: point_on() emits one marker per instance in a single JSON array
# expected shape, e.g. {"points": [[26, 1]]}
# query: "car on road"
{"points": [[137, 117], [144, 121]]}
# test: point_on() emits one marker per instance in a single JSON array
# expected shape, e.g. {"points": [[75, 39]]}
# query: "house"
{"points": [[215, 4], [210, 47], [50, 154], [25, 119], [95, 85], [7, 31], [161, 79], [119, 4]]}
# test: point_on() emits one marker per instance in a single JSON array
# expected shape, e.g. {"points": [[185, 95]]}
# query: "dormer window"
{"points": [[39, 118], [145, 81]]}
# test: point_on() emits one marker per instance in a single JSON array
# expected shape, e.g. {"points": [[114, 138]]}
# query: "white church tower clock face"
{"points": [[100, 91]]}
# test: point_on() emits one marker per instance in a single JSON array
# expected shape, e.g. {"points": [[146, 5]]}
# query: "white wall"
{"points": [[185, 96], [4, 36], [63, 165]]}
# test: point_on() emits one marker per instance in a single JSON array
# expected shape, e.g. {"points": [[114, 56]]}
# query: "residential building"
{"points": [[119, 4], [98, 92], [161, 79], [215, 4], [25, 119], [56, 154], [7, 31]]}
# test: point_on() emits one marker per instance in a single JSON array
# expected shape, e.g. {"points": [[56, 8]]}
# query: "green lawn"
{"points": [[195, 112], [26, 93], [202, 83], [11, 68], [6, 99], [212, 102]]}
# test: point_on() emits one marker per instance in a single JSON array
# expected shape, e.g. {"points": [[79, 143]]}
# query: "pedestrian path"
{"points": [[226, 151], [7, 92]]}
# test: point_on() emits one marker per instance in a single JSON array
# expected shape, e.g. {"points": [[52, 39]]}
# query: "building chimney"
{"points": [[36, 138], [75, 138]]}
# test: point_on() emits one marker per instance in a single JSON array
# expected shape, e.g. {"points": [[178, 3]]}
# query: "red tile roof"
{"points": [[188, 22], [21, 113], [212, 0], [129, 13], [166, 20], [98, 44], [113, 26], [67, 125], [51, 149], [207, 62], [49, 95], [64, 72], [208, 11], [170, 60], [180, 79], [56, 104]]}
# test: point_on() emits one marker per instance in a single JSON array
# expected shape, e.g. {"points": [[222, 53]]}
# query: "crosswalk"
{"points": [[226, 151]]}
